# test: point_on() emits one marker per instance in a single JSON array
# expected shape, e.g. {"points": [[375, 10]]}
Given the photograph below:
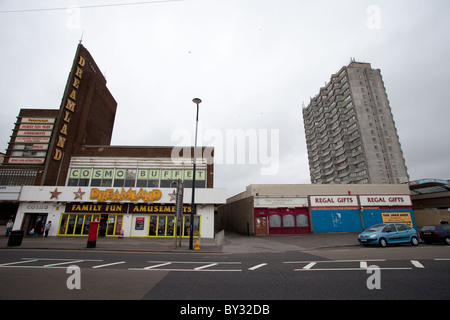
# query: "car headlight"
{"points": [[373, 236]]}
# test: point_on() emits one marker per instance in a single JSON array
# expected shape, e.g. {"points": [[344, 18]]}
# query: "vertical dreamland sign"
{"points": [[84, 84], [71, 103]]}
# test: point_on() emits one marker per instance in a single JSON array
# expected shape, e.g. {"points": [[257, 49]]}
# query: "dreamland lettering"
{"points": [[124, 195]]}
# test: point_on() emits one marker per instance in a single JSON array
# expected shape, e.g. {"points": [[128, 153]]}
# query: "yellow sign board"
{"points": [[400, 217], [127, 195]]}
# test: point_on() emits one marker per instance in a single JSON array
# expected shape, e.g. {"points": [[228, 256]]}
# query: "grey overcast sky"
{"points": [[252, 62]]}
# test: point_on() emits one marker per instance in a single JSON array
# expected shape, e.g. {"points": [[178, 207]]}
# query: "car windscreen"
{"points": [[375, 228], [428, 228]]}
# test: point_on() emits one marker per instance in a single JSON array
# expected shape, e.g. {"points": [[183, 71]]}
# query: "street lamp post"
{"points": [[197, 101]]}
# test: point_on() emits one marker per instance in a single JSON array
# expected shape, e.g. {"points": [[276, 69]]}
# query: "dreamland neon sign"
{"points": [[125, 195]]}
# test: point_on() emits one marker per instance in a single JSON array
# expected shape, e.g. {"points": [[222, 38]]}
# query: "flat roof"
{"points": [[427, 186]]}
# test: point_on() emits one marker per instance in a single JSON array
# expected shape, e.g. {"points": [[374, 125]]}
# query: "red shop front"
{"points": [[282, 221]]}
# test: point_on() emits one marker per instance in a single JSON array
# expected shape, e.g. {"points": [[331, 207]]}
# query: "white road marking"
{"points": [[309, 265], [157, 265], [417, 264], [189, 270], [17, 262], [348, 269], [199, 269], [331, 261], [362, 265], [61, 263], [257, 266], [197, 262], [56, 259], [207, 266], [108, 264]]}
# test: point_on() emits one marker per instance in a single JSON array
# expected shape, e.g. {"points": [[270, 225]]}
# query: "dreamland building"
{"points": [[60, 167]]}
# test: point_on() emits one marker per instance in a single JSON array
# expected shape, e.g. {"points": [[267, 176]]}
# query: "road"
{"points": [[405, 272]]}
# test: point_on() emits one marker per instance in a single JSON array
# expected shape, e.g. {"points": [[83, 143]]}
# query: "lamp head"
{"points": [[197, 101]]}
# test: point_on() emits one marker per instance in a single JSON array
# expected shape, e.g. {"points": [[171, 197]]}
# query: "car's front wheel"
{"points": [[383, 242], [414, 241], [447, 240]]}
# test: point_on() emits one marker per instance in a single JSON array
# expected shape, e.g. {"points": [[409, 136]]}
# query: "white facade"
{"points": [[53, 203]]}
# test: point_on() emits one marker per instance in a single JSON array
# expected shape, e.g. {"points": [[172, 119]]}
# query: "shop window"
{"points": [[152, 183], [63, 224], [87, 224], [141, 183], [170, 176], [166, 178], [72, 182], [162, 226], [302, 220], [200, 178], [111, 224], [119, 222], [152, 226], [79, 224], [83, 183], [76, 224], [186, 226], [148, 178], [71, 225], [102, 177], [198, 184], [125, 178], [79, 177], [288, 220], [170, 226], [119, 177], [274, 221], [142, 178], [153, 178], [130, 179]]}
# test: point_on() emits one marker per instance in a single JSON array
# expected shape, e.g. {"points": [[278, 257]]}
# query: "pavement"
{"points": [[233, 243]]}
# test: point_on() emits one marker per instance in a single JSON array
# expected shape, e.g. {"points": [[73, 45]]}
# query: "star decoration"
{"points": [[79, 194], [55, 194], [173, 195]]}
